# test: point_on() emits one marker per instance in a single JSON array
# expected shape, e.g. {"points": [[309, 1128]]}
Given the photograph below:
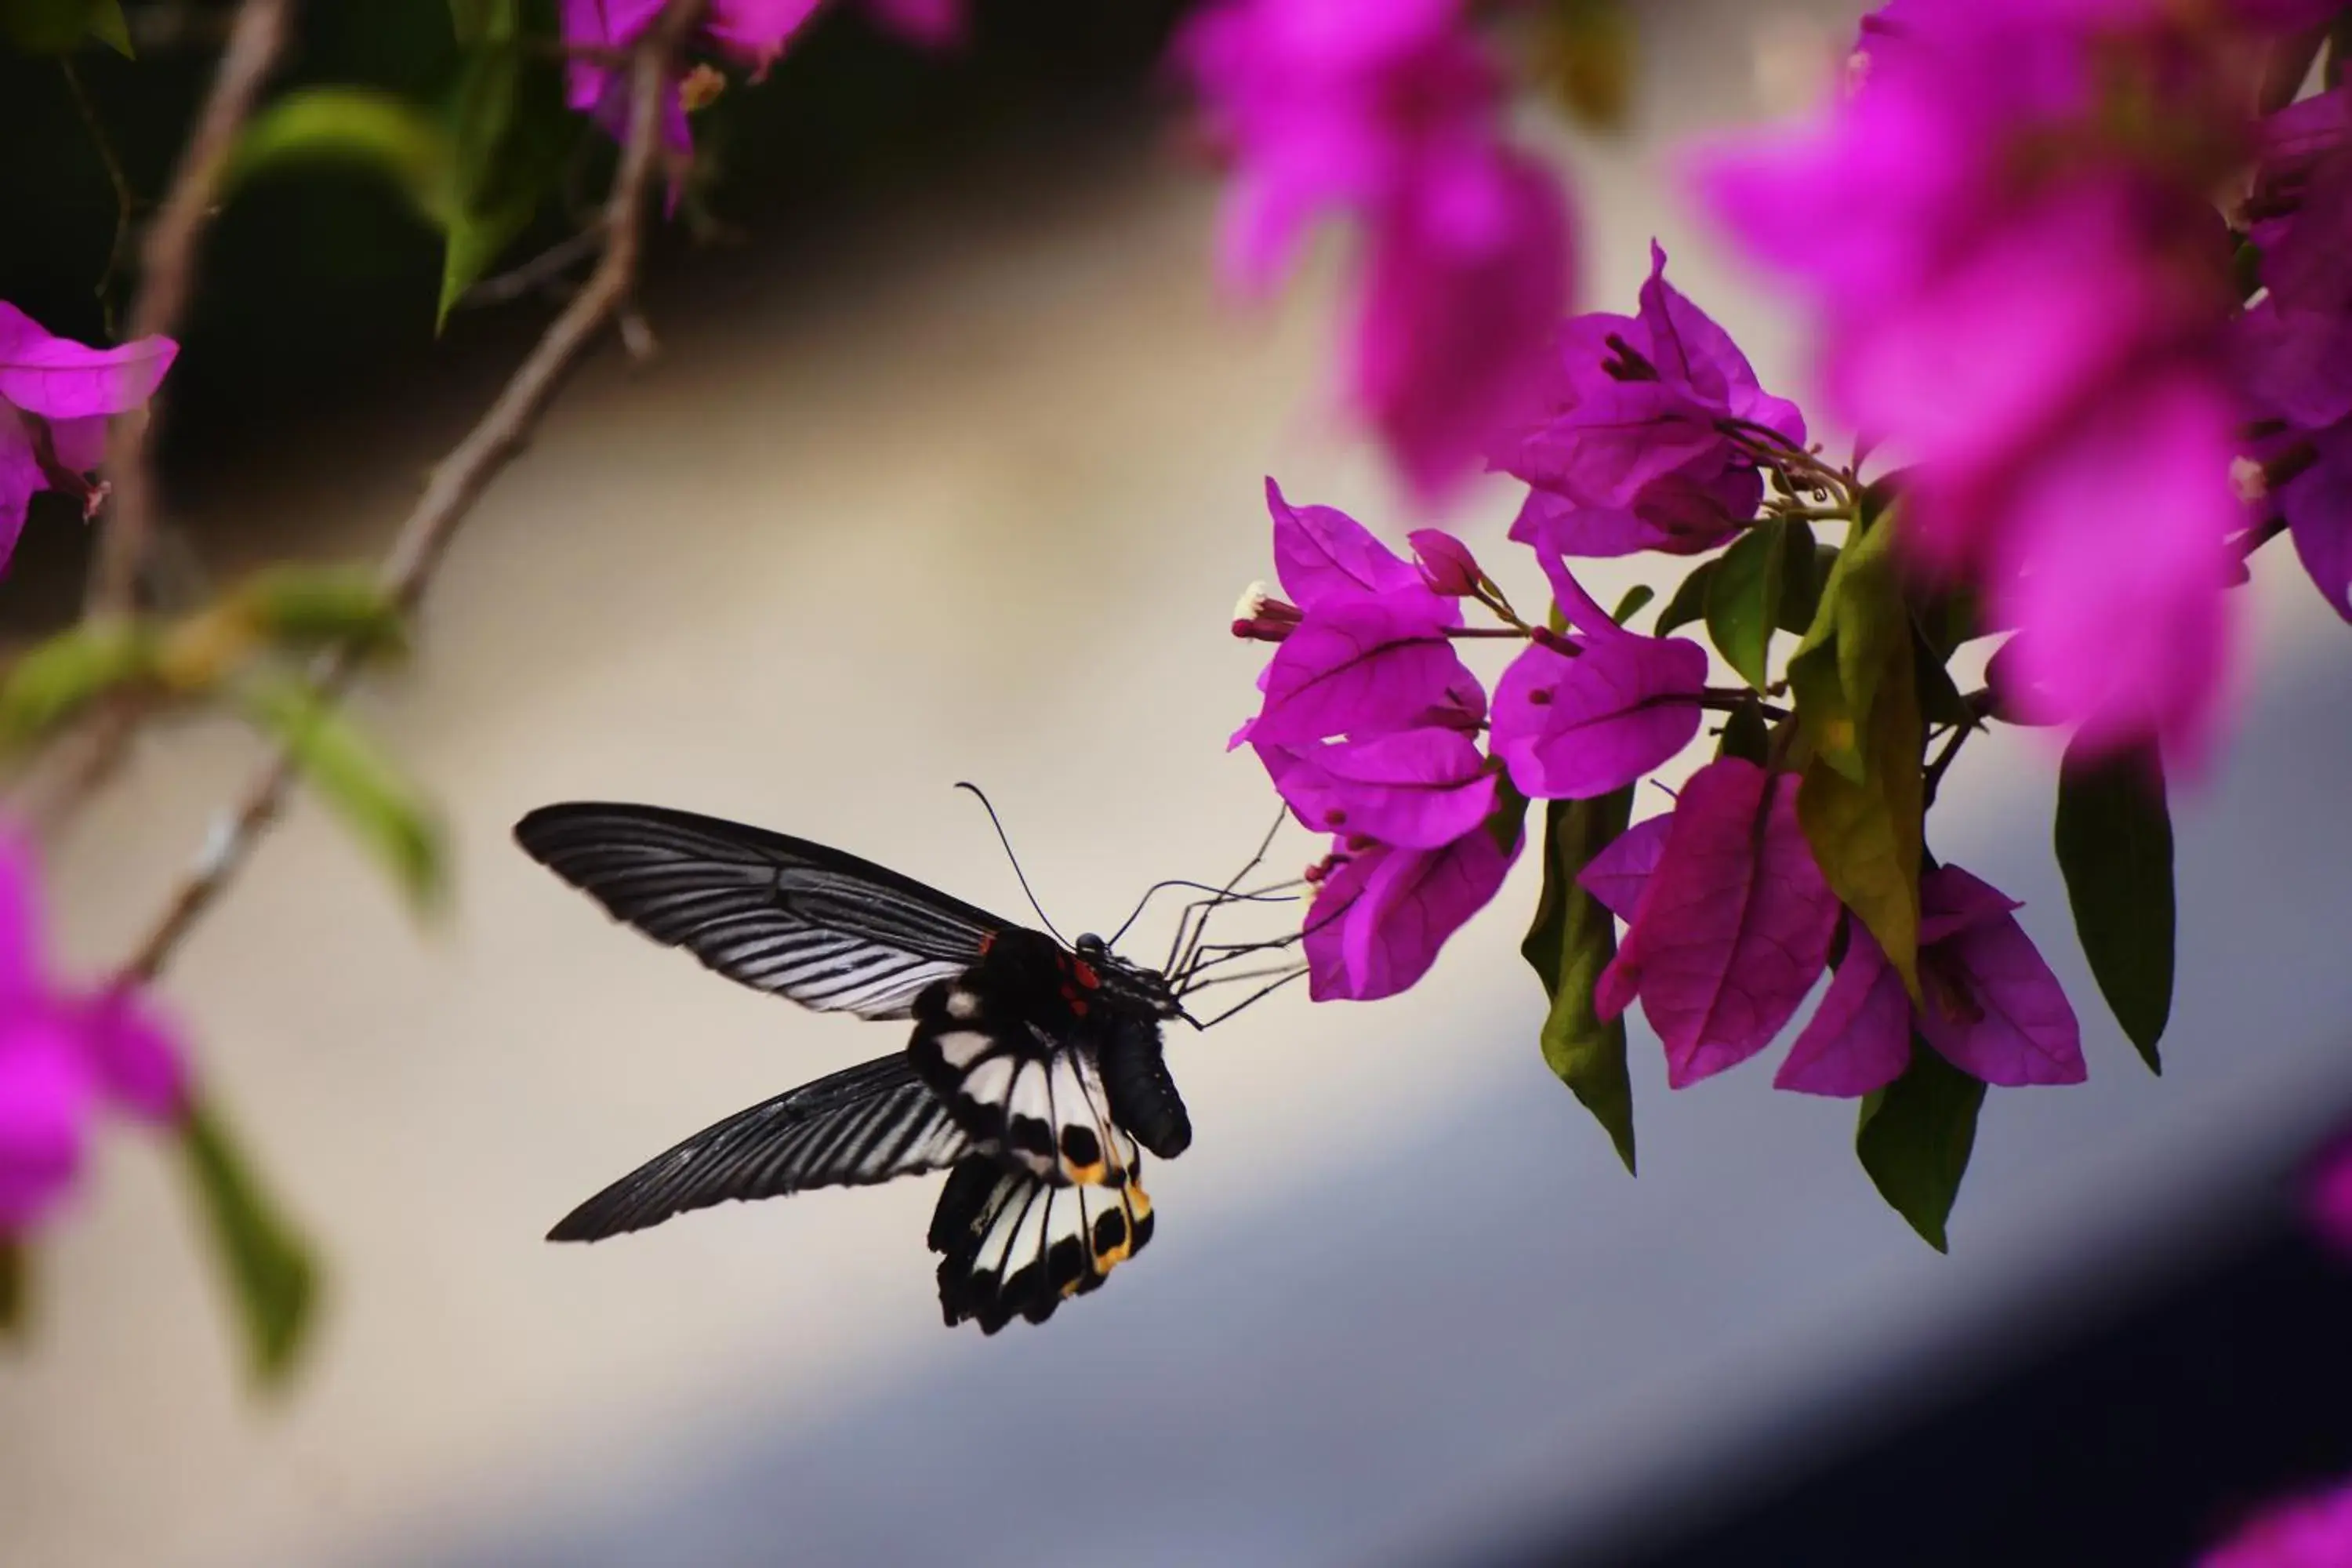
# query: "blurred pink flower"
{"points": [[1389, 112], [63, 1052], [2314, 1531], [934, 24], [2024, 290], [55, 398], [1635, 443], [751, 33], [2295, 345], [1994, 1011], [2327, 1194]]}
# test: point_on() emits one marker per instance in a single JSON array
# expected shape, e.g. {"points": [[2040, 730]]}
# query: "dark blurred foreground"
{"points": [[2139, 1439]]}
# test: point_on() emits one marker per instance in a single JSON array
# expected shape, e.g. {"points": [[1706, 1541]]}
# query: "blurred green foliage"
{"points": [[315, 279]]}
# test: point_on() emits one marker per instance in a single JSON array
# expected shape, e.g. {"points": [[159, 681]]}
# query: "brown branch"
{"points": [[460, 479], [167, 265]]}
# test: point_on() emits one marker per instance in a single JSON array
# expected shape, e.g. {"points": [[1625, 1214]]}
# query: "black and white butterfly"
{"points": [[1035, 1073]]}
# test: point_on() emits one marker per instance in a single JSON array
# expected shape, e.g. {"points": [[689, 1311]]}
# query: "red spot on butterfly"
{"points": [[987, 940], [1086, 973]]}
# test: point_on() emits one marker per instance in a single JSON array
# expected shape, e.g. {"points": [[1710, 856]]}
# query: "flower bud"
{"points": [[1445, 563], [1261, 618]]}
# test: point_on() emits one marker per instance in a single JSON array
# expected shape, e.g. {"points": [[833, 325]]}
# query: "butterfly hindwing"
{"points": [[1014, 1246], [780, 914], [862, 1125]]}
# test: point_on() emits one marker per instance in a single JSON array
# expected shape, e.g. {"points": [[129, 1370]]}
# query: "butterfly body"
{"points": [[1033, 1073]]}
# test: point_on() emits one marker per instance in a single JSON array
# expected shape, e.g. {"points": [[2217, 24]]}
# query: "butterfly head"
{"points": [[1127, 983]]}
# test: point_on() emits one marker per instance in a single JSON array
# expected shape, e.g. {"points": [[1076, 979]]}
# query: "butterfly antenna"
{"points": [[996, 823]]}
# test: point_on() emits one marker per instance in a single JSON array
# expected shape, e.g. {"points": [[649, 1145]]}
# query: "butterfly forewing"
{"points": [[862, 1125], [826, 930]]}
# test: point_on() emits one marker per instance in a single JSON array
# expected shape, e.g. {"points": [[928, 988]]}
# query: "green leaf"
{"points": [[1836, 671], [1509, 820], [107, 26], [1585, 51], [376, 802], [1948, 619], [1915, 1139], [2114, 845], [304, 607], [1571, 941], [476, 21], [1868, 837], [53, 680], [1639, 595], [60, 26], [1746, 735], [15, 1289], [1806, 565], [1743, 600], [511, 133], [1689, 603], [359, 126], [265, 1263]]}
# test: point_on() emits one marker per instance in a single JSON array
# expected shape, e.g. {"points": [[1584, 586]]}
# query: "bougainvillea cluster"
{"points": [[2083, 398], [1654, 433]]}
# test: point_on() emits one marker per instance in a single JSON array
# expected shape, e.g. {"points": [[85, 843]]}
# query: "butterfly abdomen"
{"points": [[1143, 1098]]}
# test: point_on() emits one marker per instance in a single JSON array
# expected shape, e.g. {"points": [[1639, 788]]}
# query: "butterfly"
{"points": [[1035, 1073]]}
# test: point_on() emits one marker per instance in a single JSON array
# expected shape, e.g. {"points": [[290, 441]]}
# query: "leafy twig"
{"points": [[460, 479], [539, 272], [126, 200], [167, 264]]}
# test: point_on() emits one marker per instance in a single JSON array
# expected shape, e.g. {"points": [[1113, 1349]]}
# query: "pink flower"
{"points": [[1366, 649], [1994, 1011], [1733, 925], [2025, 296], [1416, 789], [1366, 653], [1382, 912], [55, 397], [64, 1052], [1579, 716], [1645, 435], [1446, 565], [1389, 112], [2312, 1532]]}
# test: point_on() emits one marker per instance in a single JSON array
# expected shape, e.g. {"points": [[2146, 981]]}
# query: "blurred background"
{"points": [[949, 467]]}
